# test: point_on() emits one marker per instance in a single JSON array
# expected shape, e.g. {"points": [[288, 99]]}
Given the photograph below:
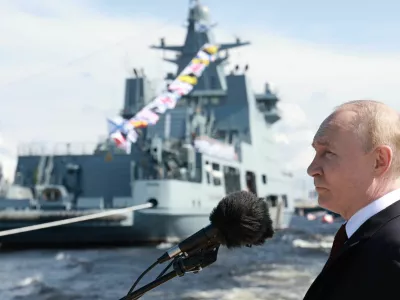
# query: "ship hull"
{"points": [[182, 209], [216, 140], [147, 228], [150, 227]]}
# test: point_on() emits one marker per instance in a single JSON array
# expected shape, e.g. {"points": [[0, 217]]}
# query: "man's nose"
{"points": [[314, 169]]}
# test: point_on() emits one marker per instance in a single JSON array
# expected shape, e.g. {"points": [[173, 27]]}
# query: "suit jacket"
{"points": [[368, 265]]}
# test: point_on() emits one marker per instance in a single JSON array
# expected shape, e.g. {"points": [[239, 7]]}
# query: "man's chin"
{"points": [[325, 202]]}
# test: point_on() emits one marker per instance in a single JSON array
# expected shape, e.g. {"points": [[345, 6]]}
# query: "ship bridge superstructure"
{"points": [[221, 106]]}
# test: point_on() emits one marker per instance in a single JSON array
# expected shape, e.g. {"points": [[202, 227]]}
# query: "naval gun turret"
{"points": [[173, 157]]}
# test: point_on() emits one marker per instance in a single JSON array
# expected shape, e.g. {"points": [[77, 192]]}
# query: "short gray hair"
{"points": [[376, 124]]}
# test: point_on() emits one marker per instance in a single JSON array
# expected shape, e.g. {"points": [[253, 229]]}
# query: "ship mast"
{"points": [[199, 32]]}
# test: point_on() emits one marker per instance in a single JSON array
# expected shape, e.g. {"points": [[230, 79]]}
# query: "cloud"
{"points": [[64, 66], [292, 112], [311, 80], [64, 73]]}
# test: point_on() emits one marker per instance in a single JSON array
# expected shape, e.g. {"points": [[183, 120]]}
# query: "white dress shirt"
{"points": [[371, 209]]}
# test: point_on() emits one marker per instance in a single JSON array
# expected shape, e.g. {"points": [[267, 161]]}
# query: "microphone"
{"points": [[239, 219]]}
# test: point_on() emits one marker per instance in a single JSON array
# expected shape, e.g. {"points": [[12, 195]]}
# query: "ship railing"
{"points": [[38, 149], [160, 173]]}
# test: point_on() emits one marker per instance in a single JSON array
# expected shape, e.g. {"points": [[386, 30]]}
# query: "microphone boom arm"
{"points": [[193, 263]]}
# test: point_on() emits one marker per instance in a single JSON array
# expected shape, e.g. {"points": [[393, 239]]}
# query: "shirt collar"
{"points": [[371, 209]]}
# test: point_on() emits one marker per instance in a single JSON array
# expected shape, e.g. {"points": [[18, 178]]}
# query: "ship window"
{"points": [[272, 200], [216, 174], [285, 201], [233, 134], [221, 134], [264, 179], [208, 171], [231, 179], [251, 182]]}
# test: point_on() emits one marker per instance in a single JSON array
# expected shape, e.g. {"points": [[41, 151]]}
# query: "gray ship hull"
{"points": [[170, 221], [147, 228], [216, 139]]}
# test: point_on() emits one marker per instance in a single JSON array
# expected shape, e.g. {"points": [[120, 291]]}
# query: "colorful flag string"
{"points": [[123, 131]]}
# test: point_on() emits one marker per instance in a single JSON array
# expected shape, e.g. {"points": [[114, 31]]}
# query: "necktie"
{"points": [[340, 239]]}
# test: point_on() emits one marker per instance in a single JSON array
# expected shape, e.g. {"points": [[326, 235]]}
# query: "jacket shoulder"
{"points": [[386, 240]]}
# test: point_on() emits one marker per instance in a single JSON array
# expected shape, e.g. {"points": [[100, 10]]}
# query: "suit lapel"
{"points": [[348, 245], [366, 230], [319, 282]]}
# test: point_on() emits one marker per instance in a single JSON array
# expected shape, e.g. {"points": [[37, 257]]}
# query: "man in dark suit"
{"points": [[356, 169]]}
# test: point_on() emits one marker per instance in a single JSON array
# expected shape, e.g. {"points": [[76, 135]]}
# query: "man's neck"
{"points": [[375, 192]]}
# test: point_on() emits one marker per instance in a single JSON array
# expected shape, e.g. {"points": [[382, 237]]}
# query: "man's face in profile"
{"points": [[341, 169]]}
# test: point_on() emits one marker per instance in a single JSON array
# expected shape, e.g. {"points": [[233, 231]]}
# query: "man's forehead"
{"points": [[326, 134], [332, 130]]}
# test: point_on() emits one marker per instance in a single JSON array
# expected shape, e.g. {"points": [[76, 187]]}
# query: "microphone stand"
{"points": [[182, 264]]}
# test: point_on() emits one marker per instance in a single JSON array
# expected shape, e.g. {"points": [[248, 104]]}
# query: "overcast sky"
{"points": [[71, 58]]}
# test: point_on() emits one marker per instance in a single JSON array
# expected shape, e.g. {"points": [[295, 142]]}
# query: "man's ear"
{"points": [[383, 159]]}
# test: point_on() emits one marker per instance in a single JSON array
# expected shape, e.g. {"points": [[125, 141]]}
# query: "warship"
{"points": [[217, 140]]}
